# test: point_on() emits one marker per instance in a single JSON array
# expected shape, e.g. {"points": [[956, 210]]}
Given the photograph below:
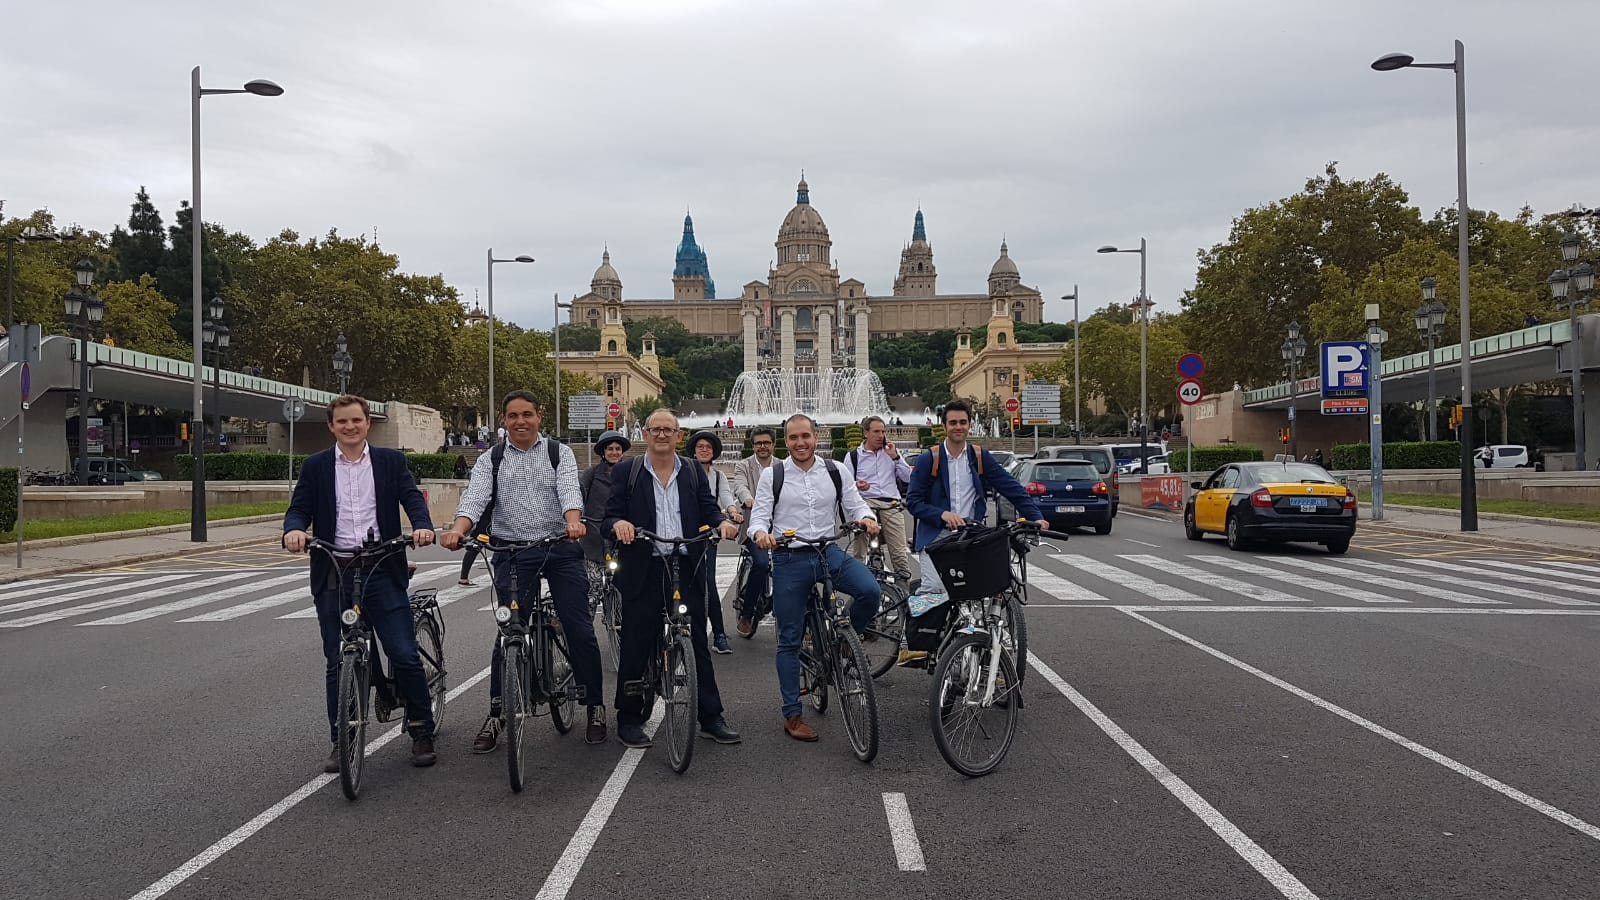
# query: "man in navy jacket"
{"points": [[344, 493], [937, 503]]}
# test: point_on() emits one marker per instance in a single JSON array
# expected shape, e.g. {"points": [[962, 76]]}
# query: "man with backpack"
{"points": [[878, 469], [528, 486], [816, 499]]}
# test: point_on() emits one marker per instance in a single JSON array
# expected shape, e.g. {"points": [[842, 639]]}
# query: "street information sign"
{"points": [[294, 409], [1190, 392], [1041, 403], [1346, 375], [1191, 365], [586, 411]]}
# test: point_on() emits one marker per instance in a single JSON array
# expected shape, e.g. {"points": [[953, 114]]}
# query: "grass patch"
{"points": [[37, 529], [1577, 512]]}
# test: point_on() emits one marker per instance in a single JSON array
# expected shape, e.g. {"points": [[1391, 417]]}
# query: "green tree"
{"points": [[138, 317], [641, 408], [142, 248], [175, 275]]}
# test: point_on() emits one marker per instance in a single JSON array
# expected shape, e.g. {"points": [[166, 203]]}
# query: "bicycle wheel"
{"points": [[680, 693], [972, 736], [1016, 636], [560, 687], [741, 580], [352, 727], [813, 669], [886, 630], [611, 620], [430, 646], [514, 708], [858, 698]]}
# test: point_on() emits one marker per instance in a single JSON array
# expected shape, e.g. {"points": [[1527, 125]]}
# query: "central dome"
{"points": [[803, 220]]}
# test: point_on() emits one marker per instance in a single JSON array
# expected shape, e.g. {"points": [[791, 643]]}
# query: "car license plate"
{"points": [[1069, 509], [1306, 504]]}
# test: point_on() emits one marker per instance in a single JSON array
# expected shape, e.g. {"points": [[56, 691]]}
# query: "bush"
{"points": [[925, 437], [1399, 455], [1207, 459], [8, 499], [431, 465], [853, 436]]}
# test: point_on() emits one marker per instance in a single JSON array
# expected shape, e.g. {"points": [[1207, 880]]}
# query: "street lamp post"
{"points": [[1571, 287], [1376, 337], [490, 256], [1077, 418], [558, 306], [1388, 63], [84, 311], [1430, 318], [1293, 350], [214, 335], [261, 88], [1144, 355], [343, 362]]}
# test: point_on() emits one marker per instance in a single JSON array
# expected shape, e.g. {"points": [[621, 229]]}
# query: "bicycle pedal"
{"points": [[633, 688]]}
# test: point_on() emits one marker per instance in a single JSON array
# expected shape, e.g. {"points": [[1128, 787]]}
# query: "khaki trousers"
{"points": [[893, 539]]}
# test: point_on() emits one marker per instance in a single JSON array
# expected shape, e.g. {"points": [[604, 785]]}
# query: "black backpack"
{"points": [[833, 472], [495, 456]]}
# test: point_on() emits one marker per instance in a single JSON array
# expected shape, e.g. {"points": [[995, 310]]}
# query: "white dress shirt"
{"points": [[355, 502], [963, 490], [669, 511], [879, 470], [807, 502]]}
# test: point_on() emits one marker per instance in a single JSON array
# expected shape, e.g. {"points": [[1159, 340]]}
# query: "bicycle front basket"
{"points": [[973, 563]]}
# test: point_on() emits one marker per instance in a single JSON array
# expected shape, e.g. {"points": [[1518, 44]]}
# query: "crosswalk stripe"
{"points": [[122, 600], [1232, 585], [97, 590], [1586, 568], [1130, 580], [229, 613], [1343, 592], [1394, 584], [1516, 570], [417, 580], [1508, 590], [1044, 585], [19, 589], [140, 615]]}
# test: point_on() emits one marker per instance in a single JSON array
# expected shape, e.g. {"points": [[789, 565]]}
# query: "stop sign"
{"points": [[1012, 405], [614, 410]]}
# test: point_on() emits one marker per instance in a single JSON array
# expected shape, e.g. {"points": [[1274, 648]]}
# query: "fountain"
{"points": [[835, 397]]}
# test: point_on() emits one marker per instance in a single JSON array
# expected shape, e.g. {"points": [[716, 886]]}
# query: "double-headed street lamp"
{"points": [[493, 402], [1571, 288], [214, 335], [261, 88], [27, 235], [343, 362], [1144, 356], [1077, 420], [1293, 349], [558, 306], [1469, 485], [84, 311], [1430, 318]]}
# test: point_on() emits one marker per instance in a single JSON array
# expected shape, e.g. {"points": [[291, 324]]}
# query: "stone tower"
{"points": [[917, 275], [1003, 275], [606, 284], [805, 252], [691, 276]]}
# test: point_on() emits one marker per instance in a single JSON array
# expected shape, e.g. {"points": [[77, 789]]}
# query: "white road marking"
{"points": [[1539, 596], [1136, 583], [1344, 593], [1521, 575], [98, 589], [903, 832], [1588, 568], [124, 600], [1428, 610], [1394, 584], [140, 615], [1241, 843], [16, 590], [1053, 585], [1232, 585], [244, 832], [1429, 754], [565, 873], [1142, 543], [417, 580]]}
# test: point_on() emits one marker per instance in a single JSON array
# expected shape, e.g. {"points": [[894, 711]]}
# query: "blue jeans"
{"points": [[793, 574], [388, 611], [760, 570], [569, 587]]}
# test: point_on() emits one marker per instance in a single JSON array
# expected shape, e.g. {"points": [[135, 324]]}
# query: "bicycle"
{"points": [[671, 671], [742, 580], [841, 662], [606, 601], [429, 621], [886, 632], [982, 645], [357, 651], [536, 666]]}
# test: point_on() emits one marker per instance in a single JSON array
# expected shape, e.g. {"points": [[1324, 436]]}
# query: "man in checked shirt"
{"points": [[535, 500]]}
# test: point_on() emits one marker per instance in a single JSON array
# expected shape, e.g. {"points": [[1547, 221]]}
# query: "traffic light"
{"points": [[1283, 435], [1016, 422], [183, 431], [1455, 418]]}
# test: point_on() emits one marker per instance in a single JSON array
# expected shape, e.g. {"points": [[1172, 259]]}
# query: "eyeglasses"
{"points": [[661, 430], [763, 443], [958, 422]]}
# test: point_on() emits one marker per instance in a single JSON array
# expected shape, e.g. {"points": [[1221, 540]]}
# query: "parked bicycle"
{"points": [[834, 657], [536, 671], [605, 600], [671, 673]]}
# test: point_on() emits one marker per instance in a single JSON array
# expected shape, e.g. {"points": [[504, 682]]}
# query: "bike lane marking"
{"points": [[1427, 753], [903, 832], [272, 813], [1242, 844]]}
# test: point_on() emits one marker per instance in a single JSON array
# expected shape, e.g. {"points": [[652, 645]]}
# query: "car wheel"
{"points": [[1189, 530], [1236, 538], [1337, 547], [1103, 527]]}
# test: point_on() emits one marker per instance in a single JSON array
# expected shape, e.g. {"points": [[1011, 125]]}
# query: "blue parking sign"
{"points": [[1345, 368]]}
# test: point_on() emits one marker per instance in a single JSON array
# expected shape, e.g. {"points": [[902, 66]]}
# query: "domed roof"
{"points": [[804, 218], [1003, 265], [605, 273]]}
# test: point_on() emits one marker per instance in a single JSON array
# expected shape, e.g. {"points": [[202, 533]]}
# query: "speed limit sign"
{"points": [[1189, 391]]}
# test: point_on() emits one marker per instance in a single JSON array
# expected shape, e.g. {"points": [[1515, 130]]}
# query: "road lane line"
{"points": [[1427, 753], [417, 580], [903, 832], [1142, 543], [1520, 574], [43, 585], [1133, 582], [1052, 585], [1424, 610], [125, 600], [1393, 584], [1241, 843], [272, 813], [1212, 579], [1475, 585], [77, 594], [565, 873], [140, 615], [1345, 593]]}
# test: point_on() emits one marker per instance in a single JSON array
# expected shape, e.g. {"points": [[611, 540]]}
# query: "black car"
{"points": [[1069, 492], [1272, 501]]}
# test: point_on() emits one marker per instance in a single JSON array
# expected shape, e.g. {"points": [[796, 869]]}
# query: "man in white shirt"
{"points": [[812, 496], [878, 467]]}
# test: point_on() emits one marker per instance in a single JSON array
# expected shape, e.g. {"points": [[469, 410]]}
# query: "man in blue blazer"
{"points": [[955, 495], [639, 488], [346, 492]]}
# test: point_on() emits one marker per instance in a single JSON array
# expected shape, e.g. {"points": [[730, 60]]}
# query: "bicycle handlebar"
{"points": [[850, 530], [492, 545], [710, 534], [379, 550]]}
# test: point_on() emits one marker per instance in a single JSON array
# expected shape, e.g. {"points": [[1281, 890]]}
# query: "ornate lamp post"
{"points": [[1430, 318], [84, 311], [343, 363], [1293, 350], [1571, 287], [214, 335]]}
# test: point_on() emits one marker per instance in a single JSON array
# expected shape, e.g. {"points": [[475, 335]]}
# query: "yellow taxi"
{"points": [[1272, 501]]}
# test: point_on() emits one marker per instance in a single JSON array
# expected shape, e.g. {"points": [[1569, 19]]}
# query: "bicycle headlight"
{"points": [[873, 543], [502, 614], [611, 564], [683, 609], [349, 616]]}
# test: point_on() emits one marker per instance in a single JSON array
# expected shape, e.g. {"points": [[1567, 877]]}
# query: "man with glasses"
{"points": [[878, 467], [746, 478]]}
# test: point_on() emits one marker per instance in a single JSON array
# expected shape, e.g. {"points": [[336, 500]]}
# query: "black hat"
{"points": [[716, 442], [612, 437]]}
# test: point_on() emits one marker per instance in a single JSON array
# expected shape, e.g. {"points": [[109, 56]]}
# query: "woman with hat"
{"points": [[706, 447], [595, 483]]}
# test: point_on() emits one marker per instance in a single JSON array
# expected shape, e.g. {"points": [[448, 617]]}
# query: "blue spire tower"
{"points": [[691, 276]]}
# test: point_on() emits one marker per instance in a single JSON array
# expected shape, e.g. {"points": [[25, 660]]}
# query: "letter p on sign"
{"points": [[1344, 368]]}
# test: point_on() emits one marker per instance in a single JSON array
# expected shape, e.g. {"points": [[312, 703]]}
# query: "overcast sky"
{"points": [[554, 127]]}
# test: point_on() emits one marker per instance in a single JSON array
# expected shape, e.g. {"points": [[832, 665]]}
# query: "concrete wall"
{"points": [[44, 446], [407, 426], [1222, 419]]}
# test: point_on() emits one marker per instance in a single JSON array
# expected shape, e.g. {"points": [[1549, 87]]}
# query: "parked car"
{"points": [[1069, 492], [1272, 501], [1158, 466], [1503, 456], [1099, 454], [111, 470]]}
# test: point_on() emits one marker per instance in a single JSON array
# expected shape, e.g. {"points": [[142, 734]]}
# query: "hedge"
{"points": [[8, 499], [1399, 455], [1207, 459], [253, 466], [925, 437]]}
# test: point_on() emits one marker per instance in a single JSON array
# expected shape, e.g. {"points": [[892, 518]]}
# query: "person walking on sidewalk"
{"points": [[878, 469], [346, 492], [746, 477], [706, 447]]}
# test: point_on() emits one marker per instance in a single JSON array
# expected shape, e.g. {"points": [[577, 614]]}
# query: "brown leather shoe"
{"points": [[796, 727], [746, 627]]}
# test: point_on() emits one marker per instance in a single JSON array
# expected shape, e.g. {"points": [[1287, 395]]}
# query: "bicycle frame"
{"points": [[512, 628]]}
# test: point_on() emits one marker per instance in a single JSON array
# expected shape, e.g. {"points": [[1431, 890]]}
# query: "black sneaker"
{"points": [[631, 734], [488, 736], [596, 732], [422, 754], [720, 731], [719, 644], [331, 764]]}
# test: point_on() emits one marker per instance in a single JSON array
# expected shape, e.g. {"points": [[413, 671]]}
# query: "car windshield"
{"points": [[1292, 473], [1066, 471], [1101, 460]]}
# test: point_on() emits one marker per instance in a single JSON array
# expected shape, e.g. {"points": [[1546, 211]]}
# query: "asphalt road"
{"points": [[1410, 720]]}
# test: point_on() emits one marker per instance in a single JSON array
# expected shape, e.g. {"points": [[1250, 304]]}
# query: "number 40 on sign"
{"points": [[1190, 392]]}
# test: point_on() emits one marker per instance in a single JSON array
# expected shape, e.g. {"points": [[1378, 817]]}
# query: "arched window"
{"points": [[919, 267], [594, 318], [999, 339], [802, 317], [611, 347], [1016, 311]]}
